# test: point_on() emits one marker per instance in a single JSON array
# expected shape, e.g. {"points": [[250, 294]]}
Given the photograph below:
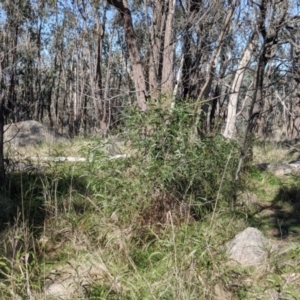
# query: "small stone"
{"points": [[248, 247]]}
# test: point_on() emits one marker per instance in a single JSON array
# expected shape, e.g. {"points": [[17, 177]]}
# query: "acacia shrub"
{"points": [[197, 171]]}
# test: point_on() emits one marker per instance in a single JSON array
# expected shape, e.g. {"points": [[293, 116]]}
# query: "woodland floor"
{"points": [[156, 252]]}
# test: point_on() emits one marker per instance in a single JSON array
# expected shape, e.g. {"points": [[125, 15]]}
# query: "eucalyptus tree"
{"points": [[207, 40], [271, 20], [13, 25], [243, 61], [2, 168], [153, 72], [292, 35], [271, 17], [135, 59], [76, 64], [17, 15]]}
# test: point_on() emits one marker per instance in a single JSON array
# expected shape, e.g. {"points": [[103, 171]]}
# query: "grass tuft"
{"points": [[149, 226]]}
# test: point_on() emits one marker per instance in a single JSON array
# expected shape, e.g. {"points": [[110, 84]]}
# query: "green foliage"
{"points": [[109, 212], [118, 186], [168, 159], [254, 173], [182, 165], [98, 292]]}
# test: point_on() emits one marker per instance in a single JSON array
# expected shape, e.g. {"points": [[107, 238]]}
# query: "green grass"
{"points": [[152, 226]]}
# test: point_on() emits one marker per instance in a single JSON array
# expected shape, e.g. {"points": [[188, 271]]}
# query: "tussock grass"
{"points": [[271, 153], [151, 226]]}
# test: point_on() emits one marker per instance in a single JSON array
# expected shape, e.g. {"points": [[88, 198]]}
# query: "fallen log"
{"points": [[280, 169], [72, 159], [63, 158], [17, 164], [58, 158]]}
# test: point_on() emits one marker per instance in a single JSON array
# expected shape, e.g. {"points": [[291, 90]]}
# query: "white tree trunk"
{"points": [[178, 80], [230, 129], [168, 55]]}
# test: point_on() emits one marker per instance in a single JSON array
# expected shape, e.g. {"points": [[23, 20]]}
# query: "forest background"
{"points": [[187, 88], [78, 65]]}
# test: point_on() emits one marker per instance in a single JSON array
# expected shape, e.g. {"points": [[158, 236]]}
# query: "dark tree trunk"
{"points": [[188, 61], [2, 168], [134, 56]]}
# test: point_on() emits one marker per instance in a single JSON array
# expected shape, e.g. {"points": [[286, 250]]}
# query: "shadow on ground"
{"points": [[282, 216], [27, 201], [29, 197]]}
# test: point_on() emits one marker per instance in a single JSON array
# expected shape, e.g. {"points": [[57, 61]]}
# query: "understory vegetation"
{"points": [[151, 225]]}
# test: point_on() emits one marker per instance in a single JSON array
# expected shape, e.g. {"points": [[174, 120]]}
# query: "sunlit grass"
{"points": [[271, 153], [137, 228]]}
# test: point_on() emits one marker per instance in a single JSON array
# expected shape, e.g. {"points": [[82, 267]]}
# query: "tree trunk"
{"points": [[269, 37], [168, 54], [134, 56], [230, 128], [205, 90], [155, 69], [2, 168], [194, 9]]}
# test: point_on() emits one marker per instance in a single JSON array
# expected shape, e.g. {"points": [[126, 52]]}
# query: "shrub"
{"points": [[198, 171]]}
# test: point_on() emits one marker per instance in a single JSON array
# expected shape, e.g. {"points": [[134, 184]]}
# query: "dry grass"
{"points": [[68, 148], [271, 153], [99, 246]]}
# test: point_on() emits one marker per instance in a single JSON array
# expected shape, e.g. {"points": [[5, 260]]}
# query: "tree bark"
{"points": [[269, 39], [215, 56], [270, 36], [134, 56], [205, 90], [155, 68], [230, 129], [168, 54], [2, 168]]}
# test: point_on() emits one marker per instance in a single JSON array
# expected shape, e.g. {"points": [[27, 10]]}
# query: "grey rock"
{"points": [[248, 247], [29, 133], [295, 162], [280, 169], [295, 167], [70, 281]]}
